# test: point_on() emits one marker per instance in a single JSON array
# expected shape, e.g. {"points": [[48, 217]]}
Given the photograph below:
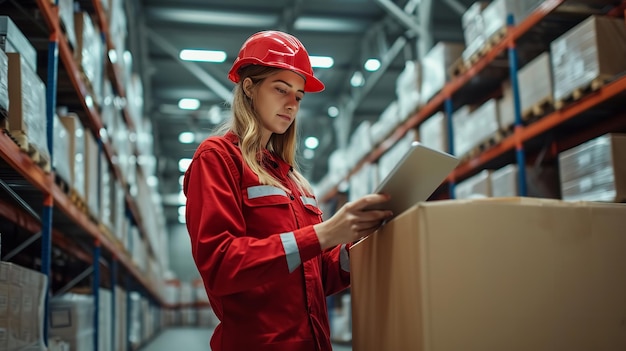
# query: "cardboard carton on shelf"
{"points": [[493, 274]]}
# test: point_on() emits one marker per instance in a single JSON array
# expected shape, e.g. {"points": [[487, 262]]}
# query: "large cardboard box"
{"points": [[493, 274], [593, 51]]}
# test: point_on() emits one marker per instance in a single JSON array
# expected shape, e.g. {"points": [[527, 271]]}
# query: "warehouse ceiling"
{"points": [[349, 31]]}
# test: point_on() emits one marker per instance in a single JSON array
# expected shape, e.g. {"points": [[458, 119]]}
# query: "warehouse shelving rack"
{"points": [[63, 225], [453, 95]]}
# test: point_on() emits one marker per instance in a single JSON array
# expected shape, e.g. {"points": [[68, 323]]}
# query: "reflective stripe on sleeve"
{"points": [[344, 258], [291, 250], [308, 201], [264, 190]]}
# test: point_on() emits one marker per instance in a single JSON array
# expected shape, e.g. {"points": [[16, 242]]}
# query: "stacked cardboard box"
{"points": [[22, 298], [408, 89], [595, 170], [89, 53], [71, 320], [535, 85], [433, 132], [492, 274], [588, 54], [387, 122], [473, 29], [476, 186], [473, 128], [27, 113], [435, 67]]}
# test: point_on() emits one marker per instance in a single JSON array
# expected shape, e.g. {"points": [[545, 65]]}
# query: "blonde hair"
{"points": [[247, 126]]}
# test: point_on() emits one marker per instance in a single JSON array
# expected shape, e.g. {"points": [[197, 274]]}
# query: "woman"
{"points": [[266, 258]]}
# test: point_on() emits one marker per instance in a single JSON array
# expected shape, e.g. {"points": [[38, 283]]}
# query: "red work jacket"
{"points": [[263, 269]]}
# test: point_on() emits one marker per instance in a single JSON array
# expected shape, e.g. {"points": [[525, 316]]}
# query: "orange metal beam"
{"points": [[23, 164], [50, 14], [541, 126]]}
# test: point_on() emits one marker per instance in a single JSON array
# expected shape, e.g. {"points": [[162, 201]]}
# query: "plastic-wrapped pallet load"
{"points": [[22, 296], [476, 127], [512, 274], [476, 186], [435, 68], [506, 109], [89, 53], [12, 40], [473, 29], [535, 85], [71, 320], [387, 122], [496, 13], [27, 115], [66, 15], [76, 155], [4, 89], [595, 170], [408, 89], [588, 55], [61, 146], [541, 181], [433, 132]]}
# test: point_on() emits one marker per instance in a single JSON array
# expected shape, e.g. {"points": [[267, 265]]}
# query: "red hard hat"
{"points": [[280, 50]]}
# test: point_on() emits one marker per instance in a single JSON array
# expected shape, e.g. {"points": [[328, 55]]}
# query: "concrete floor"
{"points": [[192, 339]]}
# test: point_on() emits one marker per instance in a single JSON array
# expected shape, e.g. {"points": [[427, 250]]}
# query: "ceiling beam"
{"points": [[206, 78], [425, 42], [289, 16], [407, 20], [455, 5]]}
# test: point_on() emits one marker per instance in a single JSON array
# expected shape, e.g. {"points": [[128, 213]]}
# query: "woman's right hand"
{"points": [[353, 221]]}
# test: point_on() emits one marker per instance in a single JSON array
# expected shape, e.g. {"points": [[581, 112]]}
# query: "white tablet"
{"points": [[415, 177]]}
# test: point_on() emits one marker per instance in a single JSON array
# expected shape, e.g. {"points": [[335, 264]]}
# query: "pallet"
{"points": [[62, 184], [458, 68], [484, 145], [497, 37], [538, 110], [78, 201], [579, 92], [21, 139]]}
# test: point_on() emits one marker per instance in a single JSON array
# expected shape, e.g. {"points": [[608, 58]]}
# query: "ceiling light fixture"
{"points": [[183, 164], [312, 143], [203, 55], [186, 137], [321, 61], [308, 154], [372, 65], [357, 79], [333, 111], [189, 104]]}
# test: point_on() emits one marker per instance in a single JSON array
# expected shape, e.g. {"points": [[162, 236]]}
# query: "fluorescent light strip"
{"points": [[202, 55], [322, 61]]}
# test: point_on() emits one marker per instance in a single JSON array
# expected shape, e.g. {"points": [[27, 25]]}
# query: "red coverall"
{"points": [[259, 257]]}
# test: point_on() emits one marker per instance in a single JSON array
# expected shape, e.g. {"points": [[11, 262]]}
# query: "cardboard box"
{"points": [[435, 67], [535, 84], [27, 113], [76, 156], [592, 171], [513, 274], [593, 50], [433, 132], [13, 40]]}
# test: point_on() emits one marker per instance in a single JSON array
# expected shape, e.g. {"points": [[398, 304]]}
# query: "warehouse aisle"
{"points": [[192, 339]]}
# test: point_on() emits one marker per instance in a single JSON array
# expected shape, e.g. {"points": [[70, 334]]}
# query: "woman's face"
{"points": [[276, 101]]}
